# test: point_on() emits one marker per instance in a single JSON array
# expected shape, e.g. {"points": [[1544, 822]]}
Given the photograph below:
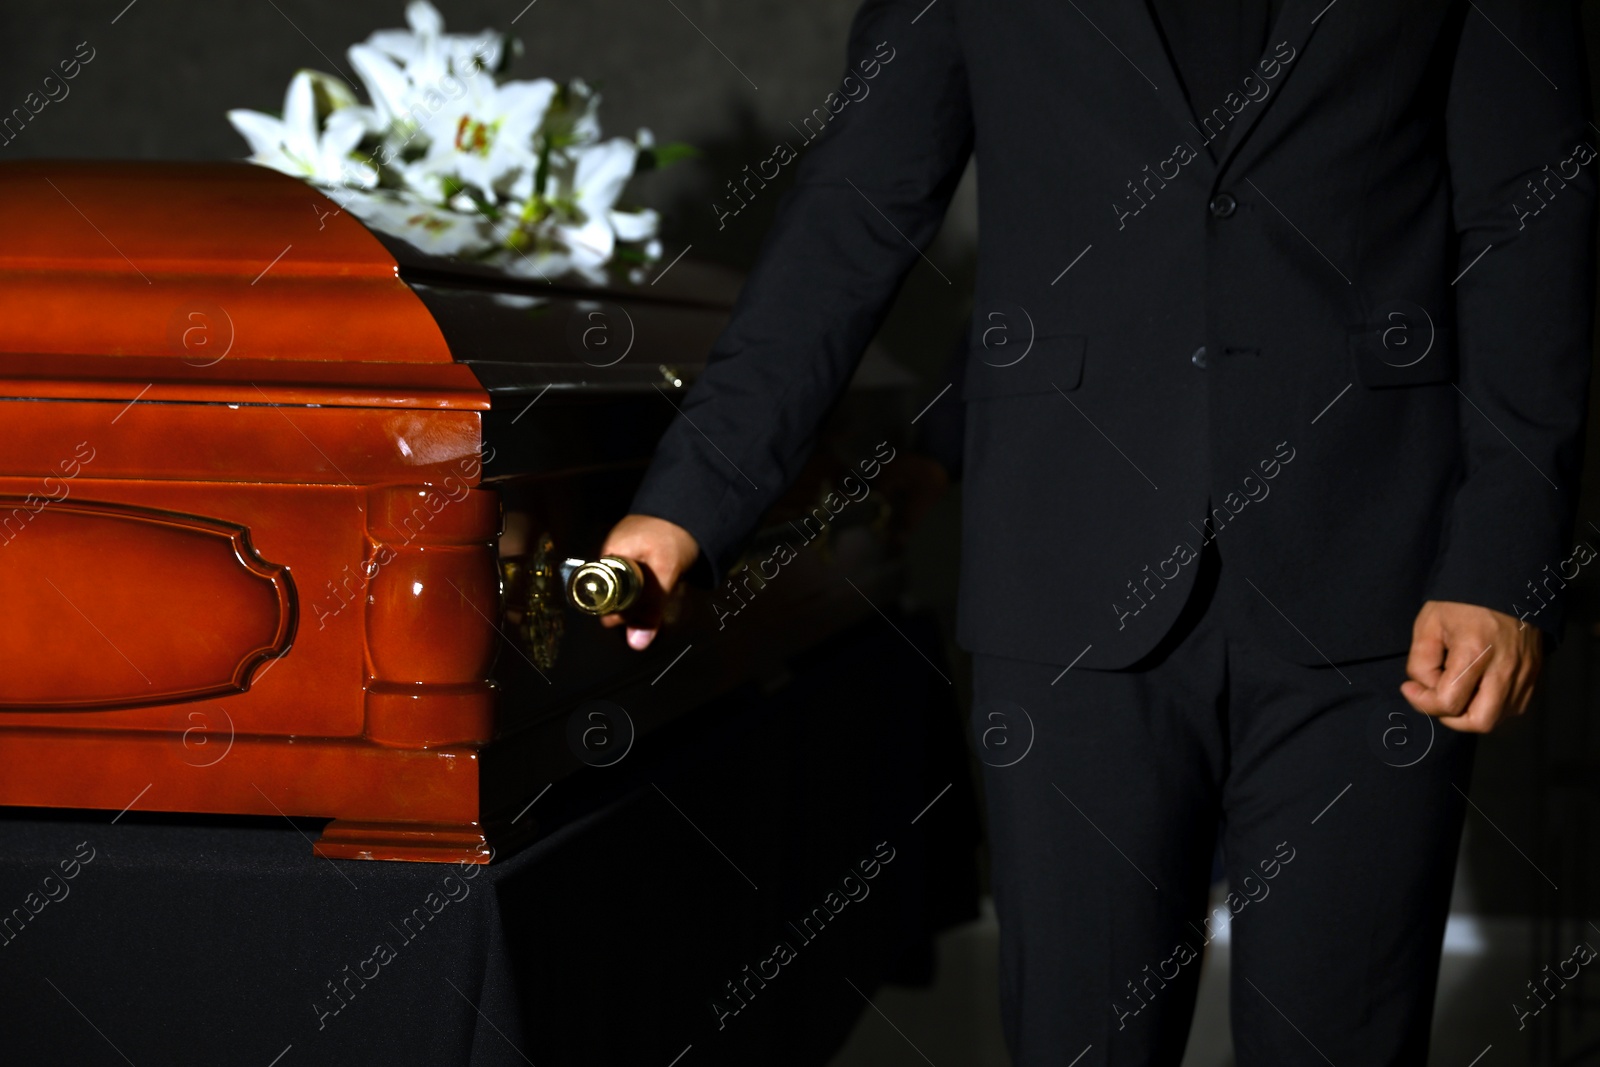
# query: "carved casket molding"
{"points": [[131, 606]]}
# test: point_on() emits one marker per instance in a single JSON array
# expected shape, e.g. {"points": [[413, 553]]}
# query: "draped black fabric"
{"points": [[181, 940]]}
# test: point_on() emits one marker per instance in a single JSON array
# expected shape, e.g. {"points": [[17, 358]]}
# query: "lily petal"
{"points": [[602, 171], [261, 131], [424, 19], [592, 243], [386, 83], [398, 44], [300, 119], [334, 91], [635, 225], [344, 132], [434, 230]]}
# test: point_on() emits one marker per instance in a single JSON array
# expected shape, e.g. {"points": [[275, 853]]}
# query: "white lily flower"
{"points": [[543, 265], [391, 91], [592, 245], [635, 225], [295, 145], [420, 181], [457, 147], [485, 138], [520, 189], [586, 125], [428, 53], [602, 170], [330, 91], [597, 180], [436, 230]]}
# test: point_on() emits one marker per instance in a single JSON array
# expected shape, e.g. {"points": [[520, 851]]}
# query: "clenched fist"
{"points": [[1471, 665]]}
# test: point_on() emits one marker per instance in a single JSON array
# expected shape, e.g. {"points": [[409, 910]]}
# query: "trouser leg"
{"points": [[1343, 811], [1102, 792]]}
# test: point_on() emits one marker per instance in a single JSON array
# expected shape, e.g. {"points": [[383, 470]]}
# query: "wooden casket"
{"points": [[286, 512]]}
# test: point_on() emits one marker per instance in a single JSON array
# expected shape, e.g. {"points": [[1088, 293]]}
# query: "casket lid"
{"points": [[228, 282], [522, 334], [206, 281]]}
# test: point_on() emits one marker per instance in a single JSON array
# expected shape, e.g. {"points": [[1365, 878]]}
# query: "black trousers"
{"points": [[1340, 811]]}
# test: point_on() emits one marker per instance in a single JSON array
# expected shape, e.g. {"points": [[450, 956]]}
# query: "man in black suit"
{"points": [[1274, 407]]}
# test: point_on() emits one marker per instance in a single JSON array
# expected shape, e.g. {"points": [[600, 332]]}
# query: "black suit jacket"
{"points": [[1382, 242]]}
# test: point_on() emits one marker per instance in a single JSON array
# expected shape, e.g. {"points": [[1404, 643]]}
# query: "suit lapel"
{"points": [[1131, 28], [1295, 23]]}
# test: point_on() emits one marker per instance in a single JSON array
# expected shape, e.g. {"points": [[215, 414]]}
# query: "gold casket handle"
{"points": [[533, 587], [605, 585]]}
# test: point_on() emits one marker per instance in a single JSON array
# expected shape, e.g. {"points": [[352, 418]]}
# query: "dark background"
{"points": [[165, 72]]}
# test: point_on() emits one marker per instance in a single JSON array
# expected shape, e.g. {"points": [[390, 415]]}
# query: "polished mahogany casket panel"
{"points": [[284, 511]]}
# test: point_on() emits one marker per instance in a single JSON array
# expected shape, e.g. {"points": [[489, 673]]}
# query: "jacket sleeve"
{"points": [[1522, 172], [870, 192]]}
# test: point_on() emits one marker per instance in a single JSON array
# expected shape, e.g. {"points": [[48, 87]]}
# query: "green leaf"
{"points": [[664, 155], [673, 151]]}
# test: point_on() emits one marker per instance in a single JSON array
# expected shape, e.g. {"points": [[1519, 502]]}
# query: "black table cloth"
{"points": [[646, 929]]}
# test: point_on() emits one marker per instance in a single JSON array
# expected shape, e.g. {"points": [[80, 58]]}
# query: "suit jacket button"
{"points": [[1223, 205], [1199, 357]]}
